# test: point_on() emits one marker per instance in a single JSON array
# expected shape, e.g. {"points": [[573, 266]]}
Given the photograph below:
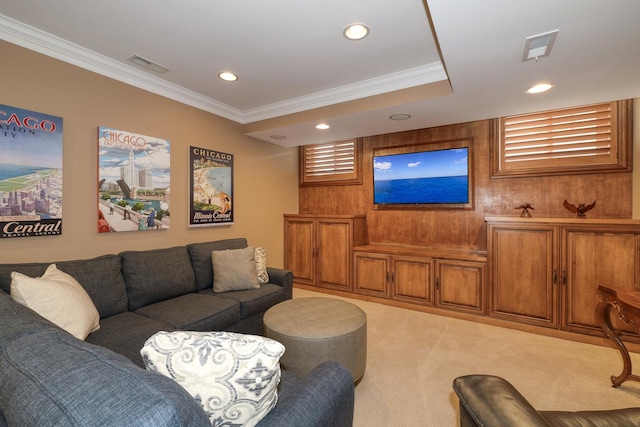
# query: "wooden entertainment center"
{"points": [[538, 274], [485, 263]]}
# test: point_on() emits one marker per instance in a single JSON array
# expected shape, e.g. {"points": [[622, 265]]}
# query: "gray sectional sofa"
{"points": [[50, 377]]}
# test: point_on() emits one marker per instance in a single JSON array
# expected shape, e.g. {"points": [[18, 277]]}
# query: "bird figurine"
{"points": [[525, 210], [580, 210]]}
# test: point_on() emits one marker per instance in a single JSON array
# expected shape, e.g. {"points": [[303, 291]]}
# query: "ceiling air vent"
{"points": [[539, 46], [143, 62]]}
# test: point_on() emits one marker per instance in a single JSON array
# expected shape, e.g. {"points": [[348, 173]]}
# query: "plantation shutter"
{"points": [[336, 163], [587, 138]]}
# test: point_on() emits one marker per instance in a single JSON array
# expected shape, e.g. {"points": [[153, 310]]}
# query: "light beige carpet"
{"points": [[413, 357]]}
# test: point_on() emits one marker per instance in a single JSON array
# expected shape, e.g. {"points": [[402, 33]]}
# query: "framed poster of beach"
{"points": [[30, 173], [211, 187], [134, 191]]}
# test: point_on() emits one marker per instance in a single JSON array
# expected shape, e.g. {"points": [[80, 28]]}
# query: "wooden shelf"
{"points": [[424, 251], [564, 221]]}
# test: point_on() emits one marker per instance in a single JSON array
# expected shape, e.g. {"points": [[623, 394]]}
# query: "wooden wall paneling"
{"points": [[443, 229], [390, 226], [493, 197]]}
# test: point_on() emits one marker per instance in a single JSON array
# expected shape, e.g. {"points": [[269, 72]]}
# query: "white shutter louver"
{"points": [[561, 141], [330, 159], [330, 162]]}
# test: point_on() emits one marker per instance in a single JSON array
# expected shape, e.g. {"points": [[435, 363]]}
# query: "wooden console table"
{"points": [[627, 304]]}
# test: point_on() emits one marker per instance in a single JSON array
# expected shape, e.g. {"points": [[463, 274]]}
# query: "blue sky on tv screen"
{"points": [[424, 164]]}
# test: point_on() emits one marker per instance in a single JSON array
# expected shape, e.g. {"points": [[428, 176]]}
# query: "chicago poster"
{"points": [[30, 173], [211, 187], [134, 192]]}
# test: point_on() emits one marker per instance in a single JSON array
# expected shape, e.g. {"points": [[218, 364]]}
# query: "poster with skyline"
{"points": [[211, 187], [134, 191], [30, 173]]}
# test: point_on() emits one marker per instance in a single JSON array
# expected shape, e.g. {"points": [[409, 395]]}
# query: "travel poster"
{"points": [[133, 182], [211, 187], [30, 173]]}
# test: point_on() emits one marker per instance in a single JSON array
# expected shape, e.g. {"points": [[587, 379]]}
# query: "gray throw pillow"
{"points": [[234, 270]]}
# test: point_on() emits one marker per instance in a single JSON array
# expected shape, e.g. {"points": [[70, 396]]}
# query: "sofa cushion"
{"points": [[28, 269], [194, 312], [51, 378], [200, 254], [125, 334], [255, 300], [102, 278], [17, 320], [156, 275], [57, 297], [234, 270], [233, 376]]}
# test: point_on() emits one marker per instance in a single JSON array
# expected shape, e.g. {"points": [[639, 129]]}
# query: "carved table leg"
{"points": [[605, 315]]}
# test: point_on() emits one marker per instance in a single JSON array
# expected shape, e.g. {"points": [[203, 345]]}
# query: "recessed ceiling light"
{"points": [[539, 88], [356, 31], [228, 76], [322, 126], [400, 116]]}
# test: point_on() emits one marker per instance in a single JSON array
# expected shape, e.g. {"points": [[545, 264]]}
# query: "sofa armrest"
{"points": [[283, 278], [602, 418], [487, 400], [325, 398]]}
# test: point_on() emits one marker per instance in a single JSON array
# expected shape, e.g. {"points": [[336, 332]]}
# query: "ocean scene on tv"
{"points": [[425, 177]]}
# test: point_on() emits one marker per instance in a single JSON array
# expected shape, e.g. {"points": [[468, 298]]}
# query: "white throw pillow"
{"points": [[234, 270], [233, 376], [59, 298], [261, 265]]}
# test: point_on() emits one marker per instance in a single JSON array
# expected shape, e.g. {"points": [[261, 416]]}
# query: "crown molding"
{"points": [[39, 41], [412, 77]]}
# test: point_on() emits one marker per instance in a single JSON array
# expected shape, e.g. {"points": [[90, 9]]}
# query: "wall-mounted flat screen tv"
{"points": [[424, 176]]}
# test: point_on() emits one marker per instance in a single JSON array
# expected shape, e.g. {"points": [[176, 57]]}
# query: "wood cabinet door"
{"points": [[523, 272], [299, 249], [334, 254], [460, 285], [412, 279], [591, 259], [371, 274]]}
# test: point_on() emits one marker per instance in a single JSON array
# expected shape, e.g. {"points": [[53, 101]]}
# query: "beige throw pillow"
{"points": [[59, 298], [234, 270]]}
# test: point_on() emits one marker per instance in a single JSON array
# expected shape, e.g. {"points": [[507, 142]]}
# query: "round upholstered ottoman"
{"points": [[314, 330]]}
